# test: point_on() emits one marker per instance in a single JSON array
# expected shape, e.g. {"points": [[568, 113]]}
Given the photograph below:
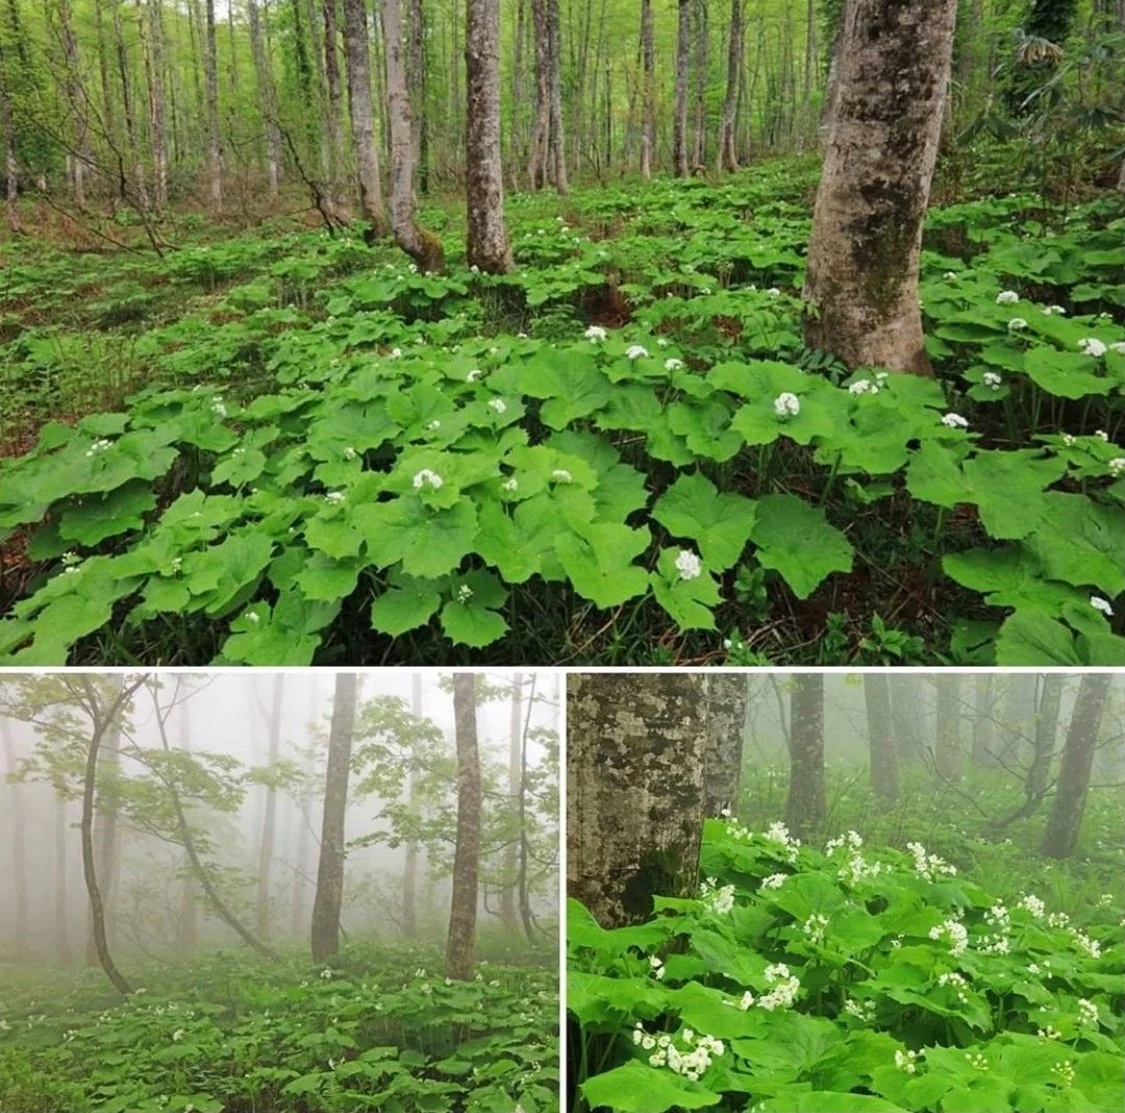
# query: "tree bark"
{"points": [[106, 851], [540, 133], [269, 820], [11, 163], [984, 727], [18, 844], [635, 790], [1046, 733], [557, 144], [267, 101], [906, 714], [419, 243], [884, 752], [62, 886], [410, 862], [679, 120], [152, 51], [187, 926], [805, 807], [947, 731], [701, 40], [861, 290], [648, 91], [725, 711], [330, 872], [461, 942], [508, 912], [1065, 821], [488, 247], [78, 158], [214, 142], [728, 153], [358, 57]]}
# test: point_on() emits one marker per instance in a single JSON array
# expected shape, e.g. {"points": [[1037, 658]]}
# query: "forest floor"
{"points": [[280, 447], [915, 962], [378, 1028]]}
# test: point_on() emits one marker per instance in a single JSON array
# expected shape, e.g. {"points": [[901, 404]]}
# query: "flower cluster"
{"points": [[976, 1060], [774, 881], [689, 565], [636, 351], [908, 1060], [427, 478], [656, 967], [957, 982], [954, 421], [785, 987], [861, 1010], [718, 900], [853, 838], [929, 866], [1084, 943], [1049, 1033], [993, 379], [691, 1063], [867, 386], [786, 405], [815, 927], [595, 333], [779, 834], [100, 445], [1007, 297], [1092, 346], [1065, 1071], [1032, 904], [1058, 920], [1087, 1012], [957, 934]]}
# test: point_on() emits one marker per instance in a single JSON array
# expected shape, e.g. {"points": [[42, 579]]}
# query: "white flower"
{"points": [[957, 933], [773, 292], [253, 617], [218, 408], [596, 332], [510, 484], [473, 375], [774, 881], [718, 900], [561, 475], [1033, 905], [350, 453], [1049, 1033], [1091, 946], [427, 478], [326, 973], [474, 269], [1092, 346], [688, 565], [815, 927], [993, 379], [1054, 311], [71, 558], [1101, 433], [1007, 297], [1103, 605], [907, 1061], [1065, 1072], [499, 405], [1118, 346], [656, 967], [178, 1035], [1087, 1012], [1016, 324], [976, 1060], [1117, 466], [464, 594], [662, 343], [396, 353], [863, 386], [636, 351], [954, 421], [100, 445], [746, 1001], [673, 364], [335, 497], [786, 404], [950, 276], [861, 1010], [929, 865]]}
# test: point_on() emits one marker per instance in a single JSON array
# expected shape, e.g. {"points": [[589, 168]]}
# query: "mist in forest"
{"points": [[207, 802]]}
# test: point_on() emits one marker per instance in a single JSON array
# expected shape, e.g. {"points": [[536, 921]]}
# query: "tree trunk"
{"points": [[298, 924], [214, 143], [18, 844], [1046, 733], [487, 246], [187, 926], [522, 888], [337, 153], [537, 158], [635, 790], [461, 943], [11, 164], [557, 144], [267, 102], [701, 38], [417, 83], [1061, 837], [679, 120], [62, 885], [330, 872], [727, 695], [419, 243], [648, 91], [152, 51], [906, 714], [1017, 727], [805, 807], [984, 726], [861, 292], [884, 751], [78, 158], [103, 720], [728, 153], [269, 821], [410, 863], [947, 731], [358, 57], [508, 912], [106, 832]]}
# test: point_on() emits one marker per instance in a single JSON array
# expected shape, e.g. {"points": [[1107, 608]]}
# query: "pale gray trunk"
{"points": [[152, 53], [330, 872], [728, 151], [648, 91], [420, 244], [410, 861], [267, 100], [537, 160], [702, 61], [62, 885], [1046, 733], [214, 143], [17, 842], [679, 120], [880, 733], [947, 731], [861, 290], [508, 911], [460, 948], [336, 157], [727, 694], [77, 160], [106, 833], [487, 247], [358, 57], [1061, 837], [416, 83], [187, 926], [636, 746], [984, 725], [269, 820], [554, 83]]}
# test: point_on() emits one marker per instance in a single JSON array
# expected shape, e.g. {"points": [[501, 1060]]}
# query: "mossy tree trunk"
{"points": [[330, 872], [1061, 837], [727, 694], [357, 53], [636, 745], [804, 808], [861, 290], [884, 751], [461, 942]]}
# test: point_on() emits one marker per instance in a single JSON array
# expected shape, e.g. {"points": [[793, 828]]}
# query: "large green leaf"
{"points": [[798, 541], [721, 523], [639, 1088]]}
